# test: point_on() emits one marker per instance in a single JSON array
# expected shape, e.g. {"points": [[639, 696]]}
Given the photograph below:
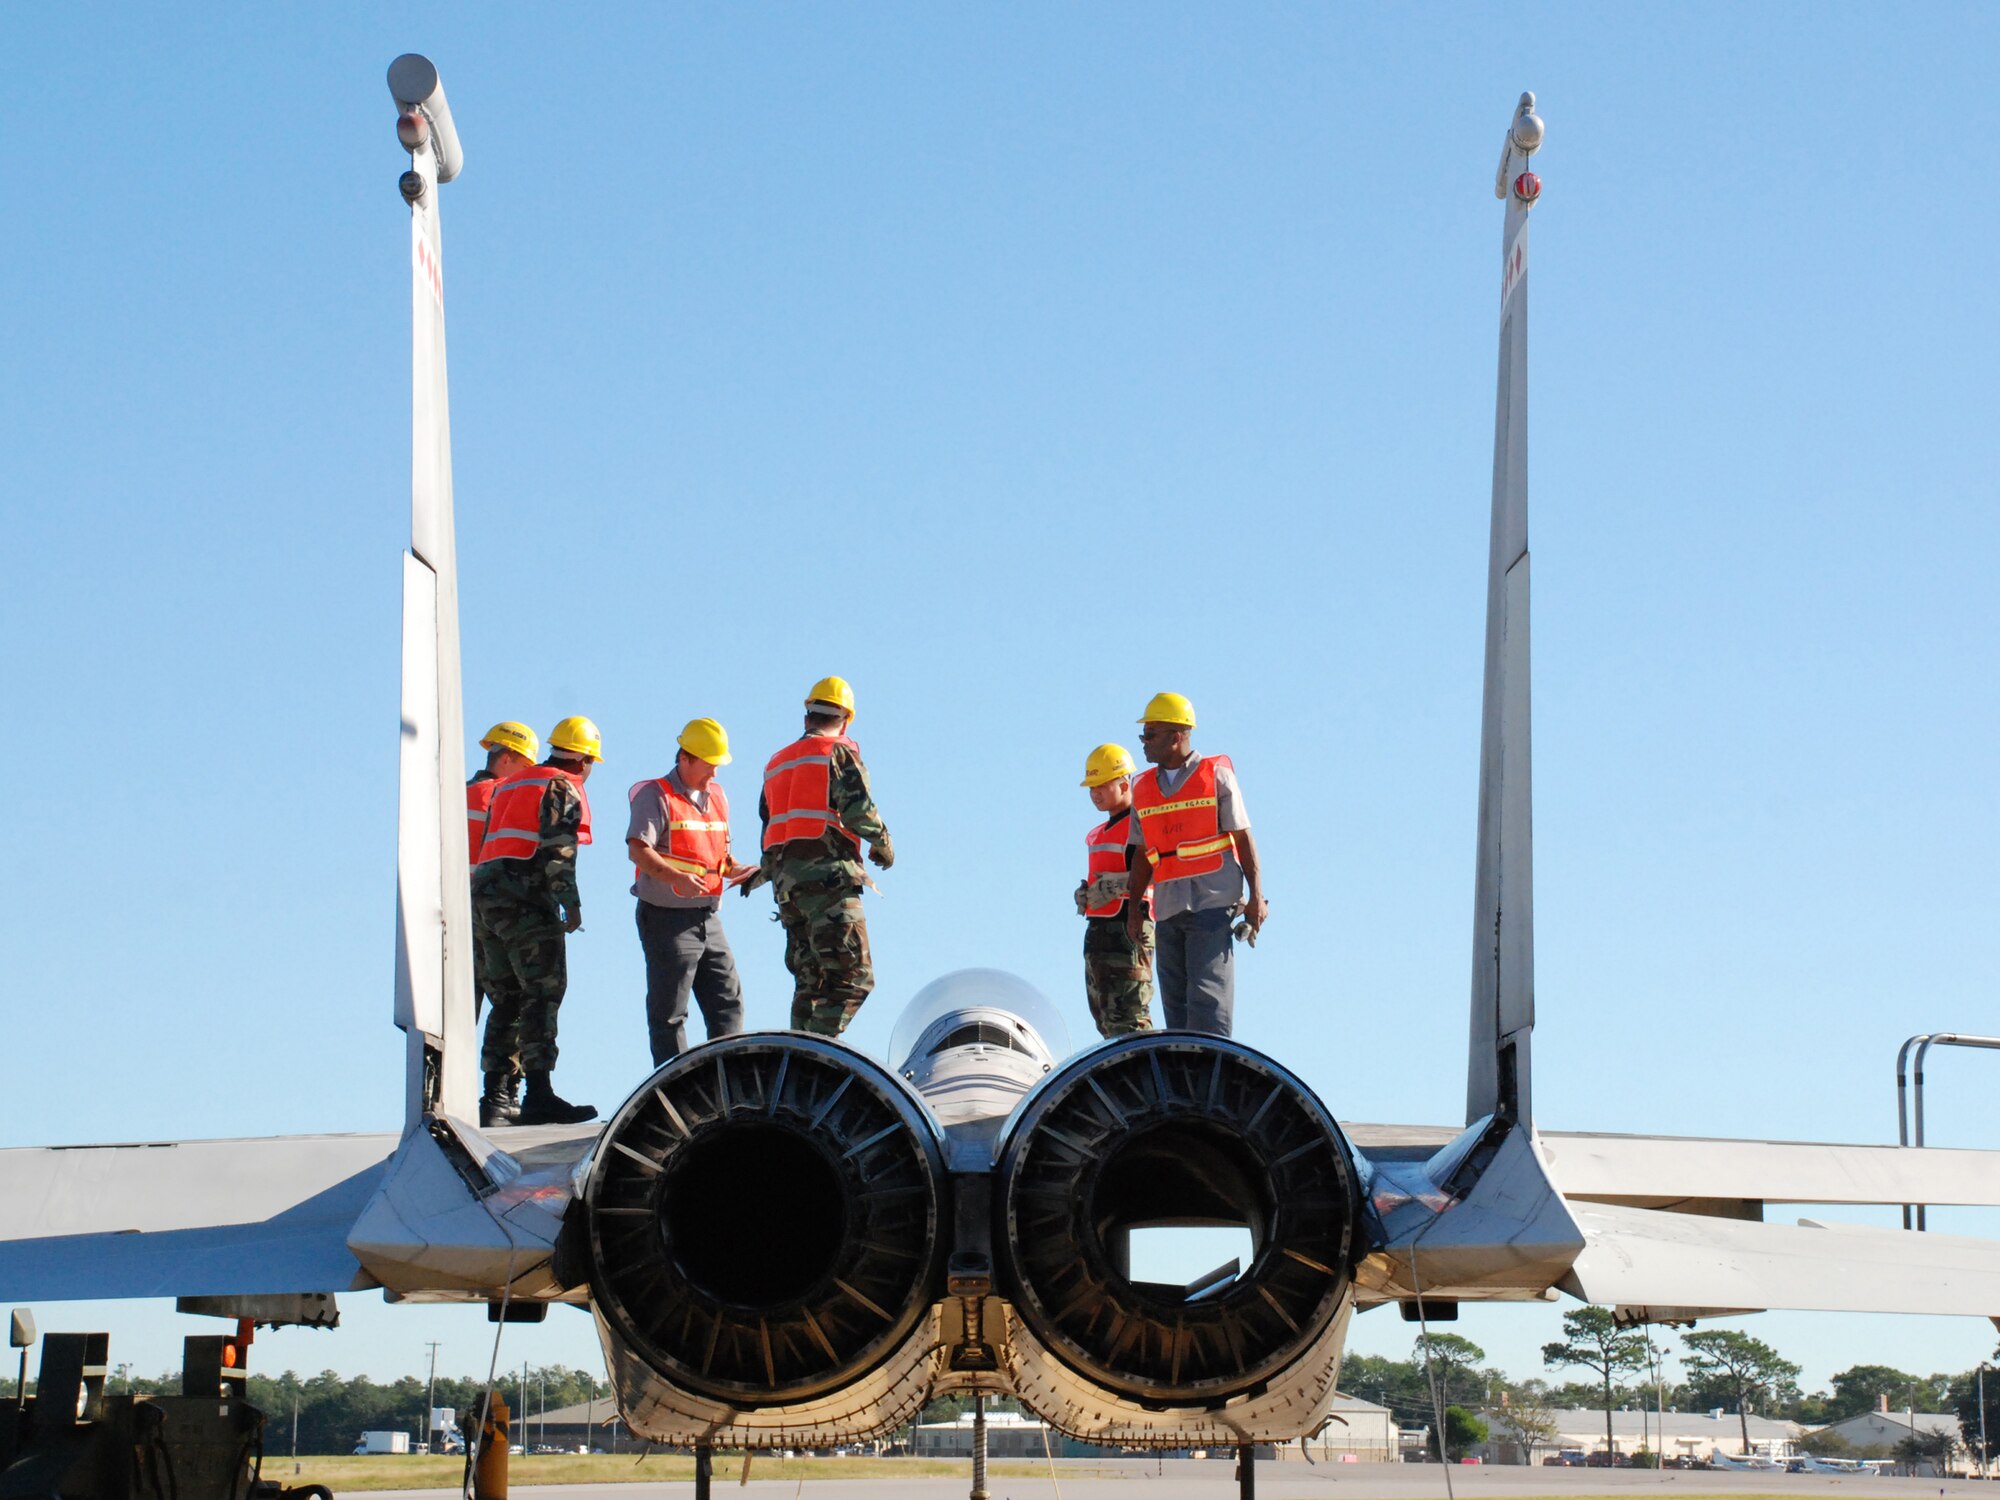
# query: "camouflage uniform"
{"points": [[1118, 975], [818, 885], [517, 934], [1117, 972]]}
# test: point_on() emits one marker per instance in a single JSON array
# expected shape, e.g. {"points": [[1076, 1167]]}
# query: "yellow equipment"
{"points": [[1168, 708], [707, 740], [1106, 764], [510, 735], [579, 736], [832, 690]]}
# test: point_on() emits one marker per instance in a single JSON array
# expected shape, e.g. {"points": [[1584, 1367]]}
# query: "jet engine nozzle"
{"points": [[763, 1220], [1170, 1129]]}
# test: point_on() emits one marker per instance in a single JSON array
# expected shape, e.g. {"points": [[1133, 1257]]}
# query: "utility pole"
{"points": [[1984, 1469], [430, 1395], [524, 1405], [295, 1422]]}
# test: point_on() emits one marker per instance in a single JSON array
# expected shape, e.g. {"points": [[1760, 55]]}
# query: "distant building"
{"points": [[1686, 1434], [1359, 1432], [592, 1424], [1884, 1429], [1009, 1434]]}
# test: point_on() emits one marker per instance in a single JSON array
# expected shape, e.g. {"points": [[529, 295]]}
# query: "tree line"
{"points": [[1609, 1368], [1595, 1365], [333, 1410]]}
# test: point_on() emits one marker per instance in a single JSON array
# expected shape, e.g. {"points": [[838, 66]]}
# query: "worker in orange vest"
{"points": [[1190, 844], [511, 747], [818, 810], [678, 837], [524, 903], [1117, 967]]}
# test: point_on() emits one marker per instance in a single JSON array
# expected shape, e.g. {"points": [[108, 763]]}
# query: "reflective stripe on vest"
{"points": [[514, 814], [697, 841], [478, 797], [1106, 846], [796, 790], [1183, 829]]}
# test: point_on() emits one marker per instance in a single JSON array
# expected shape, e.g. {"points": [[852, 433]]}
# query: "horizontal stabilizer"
{"points": [[1660, 1170], [1640, 1257], [185, 1218]]}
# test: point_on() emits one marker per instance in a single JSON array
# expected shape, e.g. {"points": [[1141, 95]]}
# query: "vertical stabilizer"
{"points": [[1503, 922], [433, 899]]}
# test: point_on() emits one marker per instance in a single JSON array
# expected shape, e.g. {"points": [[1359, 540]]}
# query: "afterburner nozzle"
{"points": [[1163, 1130], [764, 1221]]}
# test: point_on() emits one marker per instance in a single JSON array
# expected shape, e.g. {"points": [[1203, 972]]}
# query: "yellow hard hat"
{"points": [[509, 734], [707, 740], [832, 690], [579, 736], [1106, 764], [1168, 708]]}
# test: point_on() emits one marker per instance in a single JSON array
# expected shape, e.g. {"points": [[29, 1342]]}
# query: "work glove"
{"points": [[1107, 888], [881, 854], [572, 920]]}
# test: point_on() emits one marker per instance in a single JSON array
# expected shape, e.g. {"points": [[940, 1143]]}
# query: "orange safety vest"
{"points": [[1106, 846], [697, 840], [514, 814], [796, 782], [478, 796], [1183, 829]]}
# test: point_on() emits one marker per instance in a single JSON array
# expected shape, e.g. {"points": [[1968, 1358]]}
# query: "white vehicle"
{"points": [[383, 1442], [960, 1218]]}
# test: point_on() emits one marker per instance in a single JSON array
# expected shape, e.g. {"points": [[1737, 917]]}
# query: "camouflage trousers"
{"points": [[1118, 976], [518, 959], [826, 948]]}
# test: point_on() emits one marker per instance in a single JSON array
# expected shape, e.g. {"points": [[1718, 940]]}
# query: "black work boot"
{"points": [[497, 1105], [544, 1106]]}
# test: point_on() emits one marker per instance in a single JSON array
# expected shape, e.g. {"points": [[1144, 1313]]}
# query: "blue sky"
{"points": [[1016, 363]]}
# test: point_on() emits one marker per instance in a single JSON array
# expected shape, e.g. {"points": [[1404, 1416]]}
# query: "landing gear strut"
{"points": [[704, 1471], [1246, 1471], [978, 1446]]}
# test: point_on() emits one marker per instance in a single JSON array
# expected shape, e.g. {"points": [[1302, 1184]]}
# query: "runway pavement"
{"points": [[1194, 1479]]}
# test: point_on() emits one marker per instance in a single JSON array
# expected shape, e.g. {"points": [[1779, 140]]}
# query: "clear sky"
{"points": [[1017, 362]]}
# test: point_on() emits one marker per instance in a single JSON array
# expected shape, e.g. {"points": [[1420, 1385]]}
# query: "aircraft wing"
{"points": [[1657, 1266], [186, 1218], [1673, 1226], [1660, 1171]]}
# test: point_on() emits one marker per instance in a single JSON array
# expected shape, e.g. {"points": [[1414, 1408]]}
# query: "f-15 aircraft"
{"points": [[784, 1240]]}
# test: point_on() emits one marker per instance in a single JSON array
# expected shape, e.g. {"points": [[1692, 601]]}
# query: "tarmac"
{"points": [[1214, 1479]]}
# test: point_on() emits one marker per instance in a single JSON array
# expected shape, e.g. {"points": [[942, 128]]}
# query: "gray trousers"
{"points": [[686, 953], [1195, 964]]}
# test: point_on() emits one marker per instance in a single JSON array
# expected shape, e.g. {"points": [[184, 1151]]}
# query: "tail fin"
{"points": [[1503, 930], [433, 900]]}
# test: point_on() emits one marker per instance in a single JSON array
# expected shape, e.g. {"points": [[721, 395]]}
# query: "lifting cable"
{"points": [[1430, 1370], [478, 1439]]}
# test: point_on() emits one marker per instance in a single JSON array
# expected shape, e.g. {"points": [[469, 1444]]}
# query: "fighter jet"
{"points": [[784, 1240]]}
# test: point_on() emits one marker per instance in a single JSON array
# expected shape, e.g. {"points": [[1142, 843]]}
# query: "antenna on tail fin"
{"points": [[433, 898], [1503, 922]]}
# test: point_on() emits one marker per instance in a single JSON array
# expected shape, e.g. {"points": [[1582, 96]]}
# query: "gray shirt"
{"points": [[649, 824], [1223, 887]]}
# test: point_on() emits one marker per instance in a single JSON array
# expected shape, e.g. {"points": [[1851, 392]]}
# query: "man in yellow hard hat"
{"points": [[818, 810], [511, 747], [678, 837], [1117, 967], [524, 902], [1190, 844]]}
